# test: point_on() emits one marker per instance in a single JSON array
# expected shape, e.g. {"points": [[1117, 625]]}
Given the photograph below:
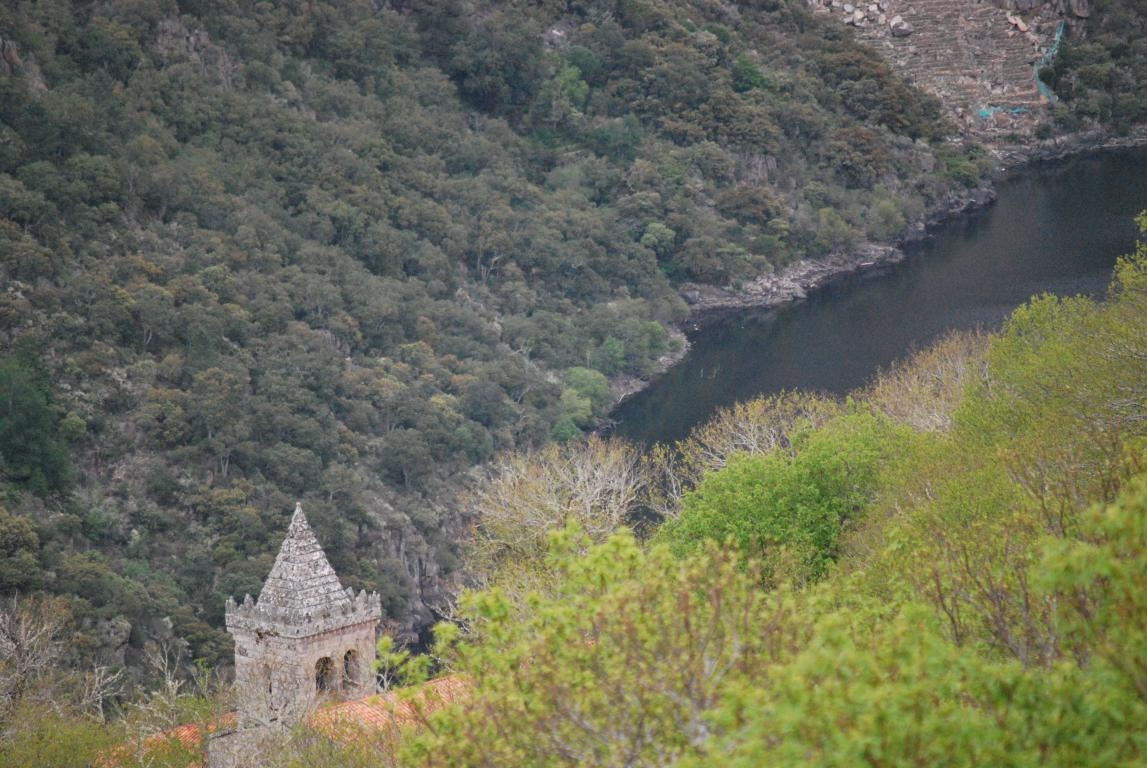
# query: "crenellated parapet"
{"points": [[270, 617]]}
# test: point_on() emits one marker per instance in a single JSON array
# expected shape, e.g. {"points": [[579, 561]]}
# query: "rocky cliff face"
{"points": [[978, 58]]}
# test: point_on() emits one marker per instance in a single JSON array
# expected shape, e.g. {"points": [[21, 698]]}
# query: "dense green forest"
{"points": [[344, 252], [1099, 73], [948, 567], [348, 252]]}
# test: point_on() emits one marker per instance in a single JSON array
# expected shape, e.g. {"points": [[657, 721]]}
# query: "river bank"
{"points": [[709, 303], [1014, 156], [1055, 228], [792, 284], [796, 281]]}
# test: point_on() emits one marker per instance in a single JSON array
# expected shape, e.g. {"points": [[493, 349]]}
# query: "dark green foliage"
{"points": [[965, 166], [32, 454], [19, 550], [747, 75], [1100, 75], [342, 251], [498, 63]]}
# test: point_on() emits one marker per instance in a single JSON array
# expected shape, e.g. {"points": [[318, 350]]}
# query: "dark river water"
{"points": [[1055, 229]]}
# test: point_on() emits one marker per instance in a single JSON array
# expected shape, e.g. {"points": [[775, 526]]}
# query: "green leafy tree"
{"points": [[793, 500], [591, 385], [497, 65], [20, 569], [621, 665], [903, 694], [1101, 580], [747, 75], [30, 449], [833, 232]]}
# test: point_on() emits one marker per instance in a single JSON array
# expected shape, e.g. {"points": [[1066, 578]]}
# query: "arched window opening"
{"points": [[326, 676], [351, 672]]}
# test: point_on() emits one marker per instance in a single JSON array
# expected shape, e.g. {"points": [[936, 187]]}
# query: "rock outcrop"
{"points": [[793, 284], [899, 27], [12, 64]]}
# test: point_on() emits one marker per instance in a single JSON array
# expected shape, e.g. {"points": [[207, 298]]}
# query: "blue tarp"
{"points": [[987, 112], [1046, 60], [990, 110]]}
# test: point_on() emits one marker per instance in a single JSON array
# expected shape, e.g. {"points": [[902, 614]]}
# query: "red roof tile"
{"points": [[343, 721]]}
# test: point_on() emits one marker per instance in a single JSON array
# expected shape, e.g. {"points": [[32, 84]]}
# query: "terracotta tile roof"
{"points": [[379, 715], [390, 710], [184, 739]]}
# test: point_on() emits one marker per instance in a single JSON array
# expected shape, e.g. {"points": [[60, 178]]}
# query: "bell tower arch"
{"points": [[304, 638]]}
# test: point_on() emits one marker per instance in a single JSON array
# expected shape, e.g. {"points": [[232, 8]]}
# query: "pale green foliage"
{"points": [[987, 609], [760, 425], [574, 408], [833, 232], [1103, 579], [898, 691], [592, 385], [585, 399], [795, 498], [47, 739], [1050, 424], [395, 665], [619, 667], [886, 220], [903, 695], [526, 496]]}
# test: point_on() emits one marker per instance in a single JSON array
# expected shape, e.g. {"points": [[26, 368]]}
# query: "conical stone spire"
{"points": [[302, 580], [302, 596]]}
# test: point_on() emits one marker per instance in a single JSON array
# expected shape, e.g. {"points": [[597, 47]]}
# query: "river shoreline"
{"points": [[1015, 157], [796, 281], [709, 303]]}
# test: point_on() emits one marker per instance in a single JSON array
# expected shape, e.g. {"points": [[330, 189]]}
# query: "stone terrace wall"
{"points": [[974, 56]]}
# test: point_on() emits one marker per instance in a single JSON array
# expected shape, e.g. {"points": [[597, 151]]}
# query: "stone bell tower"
{"points": [[304, 638]]}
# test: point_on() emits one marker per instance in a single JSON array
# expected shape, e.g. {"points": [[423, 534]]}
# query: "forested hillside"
{"points": [[345, 251], [949, 567], [1100, 71]]}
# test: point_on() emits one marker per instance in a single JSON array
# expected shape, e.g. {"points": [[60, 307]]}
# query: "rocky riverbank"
{"points": [[791, 284], [622, 387], [1012, 156], [797, 281]]}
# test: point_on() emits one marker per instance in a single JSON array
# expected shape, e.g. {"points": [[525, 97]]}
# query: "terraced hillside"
{"points": [[977, 58]]}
